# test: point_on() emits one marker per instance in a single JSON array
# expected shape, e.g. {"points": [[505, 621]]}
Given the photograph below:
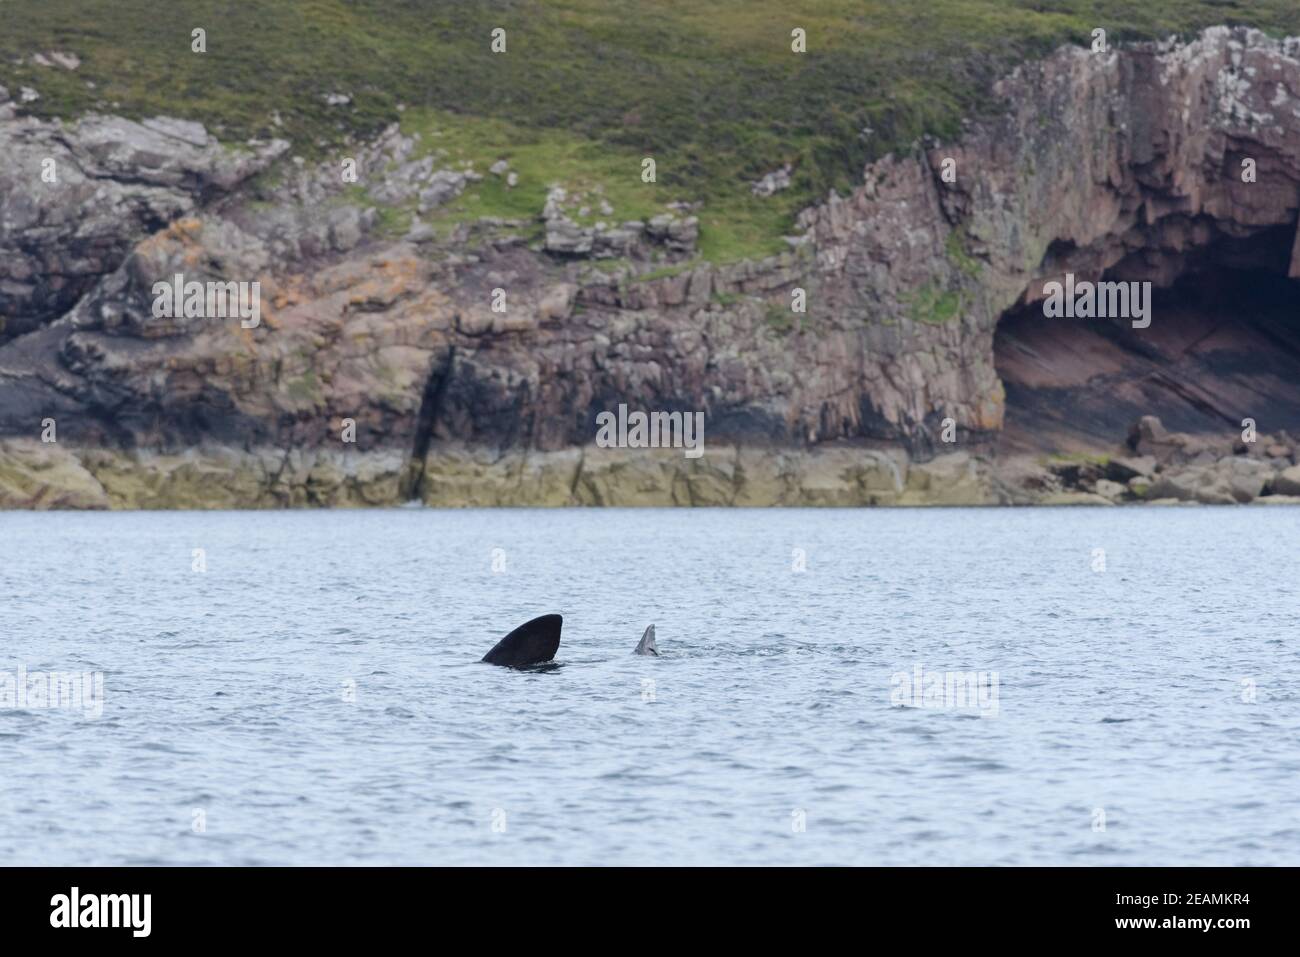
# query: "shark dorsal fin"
{"points": [[531, 643], [647, 645]]}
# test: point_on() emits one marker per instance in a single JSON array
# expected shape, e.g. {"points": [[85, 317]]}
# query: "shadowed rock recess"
{"points": [[923, 305]]}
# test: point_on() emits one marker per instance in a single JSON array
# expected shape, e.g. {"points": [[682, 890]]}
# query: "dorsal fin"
{"points": [[531, 643], [647, 645]]}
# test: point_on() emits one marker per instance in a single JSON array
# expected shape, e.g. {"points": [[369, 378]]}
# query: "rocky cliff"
{"points": [[466, 363]]}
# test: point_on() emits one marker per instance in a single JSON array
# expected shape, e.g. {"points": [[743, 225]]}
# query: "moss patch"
{"points": [[955, 246], [933, 304]]}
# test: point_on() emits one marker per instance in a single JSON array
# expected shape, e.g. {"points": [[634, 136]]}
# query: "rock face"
{"points": [[33, 475], [75, 198], [1129, 161], [386, 369], [566, 237]]}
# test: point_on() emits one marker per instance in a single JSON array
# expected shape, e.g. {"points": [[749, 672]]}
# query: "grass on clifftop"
{"points": [[709, 88], [593, 172]]}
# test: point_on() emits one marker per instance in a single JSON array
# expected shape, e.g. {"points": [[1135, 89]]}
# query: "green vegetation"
{"points": [[390, 221], [955, 246], [780, 319], [663, 272], [591, 172], [935, 305], [306, 387], [709, 88]]}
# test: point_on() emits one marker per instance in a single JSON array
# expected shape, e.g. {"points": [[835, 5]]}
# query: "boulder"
{"points": [[1244, 477], [1147, 429], [1148, 437], [1195, 484], [1112, 491], [444, 186], [1022, 480], [1127, 468], [566, 237], [772, 182], [678, 234], [1287, 482]]}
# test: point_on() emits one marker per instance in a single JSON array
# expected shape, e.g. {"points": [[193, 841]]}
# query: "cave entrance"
{"points": [[1223, 345]]}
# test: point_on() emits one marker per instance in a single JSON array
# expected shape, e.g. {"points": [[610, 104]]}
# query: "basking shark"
{"points": [[647, 645], [530, 644]]}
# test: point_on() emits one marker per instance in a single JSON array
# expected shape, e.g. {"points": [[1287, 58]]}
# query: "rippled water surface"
{"points": [[769, 732]]}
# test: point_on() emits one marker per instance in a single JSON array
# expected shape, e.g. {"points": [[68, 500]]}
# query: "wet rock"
{"points": [[37, 475], [953, 479], [1076, 498]]}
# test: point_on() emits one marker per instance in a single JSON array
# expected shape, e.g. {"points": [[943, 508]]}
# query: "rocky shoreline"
{"points": [[1155, 467], [885, 392]]}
